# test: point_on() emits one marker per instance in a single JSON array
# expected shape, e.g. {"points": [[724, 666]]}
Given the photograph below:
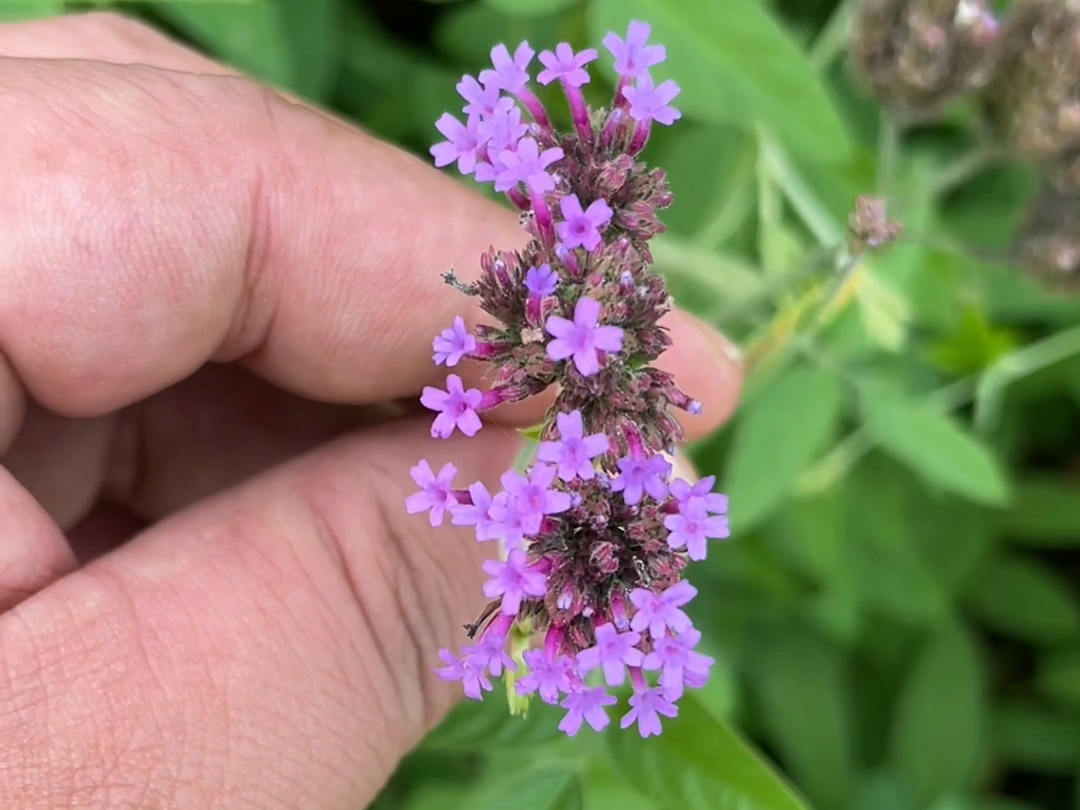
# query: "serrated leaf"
{"points": [[699, 763], [735, 63], [1026, 599], [1045, 512], [803, 700], [777, 438], [935, 446], [938, 730], [251, 35]]}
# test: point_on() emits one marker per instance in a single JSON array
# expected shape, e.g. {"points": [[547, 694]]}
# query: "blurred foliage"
{"points": [[897, 621]]}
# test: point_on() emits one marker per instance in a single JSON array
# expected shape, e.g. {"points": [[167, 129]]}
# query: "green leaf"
{"points": [[939, 718], [778, 437], [1026, 599], [1045, 512], [1035, 738], [18, 10], [603, 789], [530, 8], [735, 63], [487, 725], [313, 28], [802, 694], [251, 35], [1059, 677], [699, 763], [934, 446], [544, 786]]}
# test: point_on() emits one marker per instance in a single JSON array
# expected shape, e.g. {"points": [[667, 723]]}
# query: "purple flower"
{"points": [[527, 165], [541, 281], [700, 493], [477, 514], [574, 452], [436, 492], [649, 103], [490, 654], [532, 497], [566, 65], [454, 343], [511, 522], [514, 580], [461, 144], [582, 338], [661, 612], [613, 651], [633, 57], [679, 662], [502, 129], [472, 677], [548, 676], [646, 708], [586, 706], [692, 528], [484, 98], [456, 406], [581, 228], [640, 475], [511, 73]]}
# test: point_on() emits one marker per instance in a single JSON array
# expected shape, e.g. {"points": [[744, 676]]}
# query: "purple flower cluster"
{"points": [[595, 534]]}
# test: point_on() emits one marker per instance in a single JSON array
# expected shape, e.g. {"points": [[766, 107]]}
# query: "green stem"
{"points": [[964, 169], [1017, 365], [833, 37], [888, 152]]}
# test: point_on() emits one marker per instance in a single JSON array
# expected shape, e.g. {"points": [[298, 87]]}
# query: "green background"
{"points": [[896, 620]]}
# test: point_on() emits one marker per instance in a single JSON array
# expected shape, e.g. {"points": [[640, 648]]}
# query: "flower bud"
{"points": [[915, 56], [1033, 103]]}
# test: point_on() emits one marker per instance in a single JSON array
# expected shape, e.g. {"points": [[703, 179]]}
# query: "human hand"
{"points": [[201, 281]]}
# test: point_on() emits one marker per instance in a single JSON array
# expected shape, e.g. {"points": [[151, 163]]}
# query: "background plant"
{"points": [[897, 623]]}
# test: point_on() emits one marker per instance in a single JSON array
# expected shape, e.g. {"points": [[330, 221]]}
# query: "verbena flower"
{"points": [[595, 533]]}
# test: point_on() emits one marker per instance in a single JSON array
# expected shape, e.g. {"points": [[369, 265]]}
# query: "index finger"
{"points": [[154, 220]]}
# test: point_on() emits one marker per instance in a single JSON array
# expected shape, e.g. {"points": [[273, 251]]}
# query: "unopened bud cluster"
{"points": [[588, 590], [915, 56]]}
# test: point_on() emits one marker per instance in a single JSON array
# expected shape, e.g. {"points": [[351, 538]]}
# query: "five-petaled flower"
{"points": [[511, 73], [633, 57], [436, 493], [473, 677], [692, 527], [541, 281], [566, 65], [453, 343], [574, 452], [652, 103], [660, 612], [586, 706], [463, 142], [640, 475], [581, 228], [528, 165], [613, 652], [456, 406], [513, 581], [646, 708], [583, 338], [678, 662]]}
